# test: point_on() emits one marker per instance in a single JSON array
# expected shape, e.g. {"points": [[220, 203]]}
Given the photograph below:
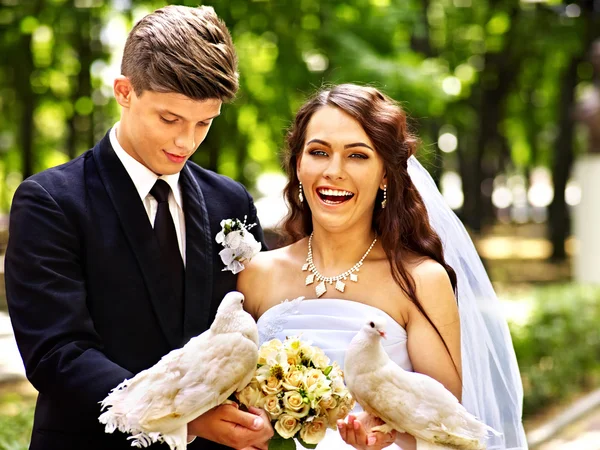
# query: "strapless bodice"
{"points": [[330, 324]]}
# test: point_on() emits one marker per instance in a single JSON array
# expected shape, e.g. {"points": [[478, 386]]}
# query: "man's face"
{"points": [[162, 130]]}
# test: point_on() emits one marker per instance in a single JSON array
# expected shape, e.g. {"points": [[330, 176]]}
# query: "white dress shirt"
{"points": [[144, 179]]}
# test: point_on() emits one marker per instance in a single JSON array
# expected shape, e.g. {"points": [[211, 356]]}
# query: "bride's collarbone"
{"points": [[389, 301]]}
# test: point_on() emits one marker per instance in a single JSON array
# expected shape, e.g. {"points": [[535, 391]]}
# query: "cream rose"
{"points": [[294, 404], [287, 426], [319, 358], [250, 395], [314, 376], [294, 379], [268, 349], [314, 431], [339, 412], [272, 386], [338, 387], [271, 405], [328, 402]]}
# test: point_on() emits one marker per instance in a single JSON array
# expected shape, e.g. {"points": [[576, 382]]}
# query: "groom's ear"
{"points": [[123, 91]]}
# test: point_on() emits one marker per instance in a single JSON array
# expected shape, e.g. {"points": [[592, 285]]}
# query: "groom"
{"points": [[112, 261]]}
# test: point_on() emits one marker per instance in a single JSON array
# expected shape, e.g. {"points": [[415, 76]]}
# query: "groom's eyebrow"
{"points": [[166, 111]]}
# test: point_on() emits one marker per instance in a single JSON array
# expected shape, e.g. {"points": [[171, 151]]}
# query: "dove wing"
{"points": [[407, 401], [208, 376]]}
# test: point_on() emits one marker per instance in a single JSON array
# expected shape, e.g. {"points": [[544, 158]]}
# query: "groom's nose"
{"points": [[186, 139]]}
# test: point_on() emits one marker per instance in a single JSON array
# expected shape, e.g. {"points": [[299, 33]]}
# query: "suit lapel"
{"points": [[139, 233], [199, 257]]}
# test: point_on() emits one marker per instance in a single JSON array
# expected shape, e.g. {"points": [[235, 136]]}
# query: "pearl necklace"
{"points": [[314, 274]]}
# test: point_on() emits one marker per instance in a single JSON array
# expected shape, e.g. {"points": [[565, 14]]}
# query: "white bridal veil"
{"points": [[492, 388]]}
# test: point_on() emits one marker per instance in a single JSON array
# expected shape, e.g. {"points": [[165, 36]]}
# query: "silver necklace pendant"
{"points": [[314, 274], [320, 289]]}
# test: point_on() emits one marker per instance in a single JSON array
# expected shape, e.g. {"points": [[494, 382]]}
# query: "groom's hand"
{"points": [[356, 432], [228, 425]]}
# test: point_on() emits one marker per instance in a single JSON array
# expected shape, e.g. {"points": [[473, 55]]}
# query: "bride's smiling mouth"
{"points": [[332, 196]]}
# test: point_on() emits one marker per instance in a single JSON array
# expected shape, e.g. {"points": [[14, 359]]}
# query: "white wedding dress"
{"points": [[330, 324]]}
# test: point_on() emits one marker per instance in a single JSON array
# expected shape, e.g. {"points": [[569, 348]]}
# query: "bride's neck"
{"points": [[340, 250]]}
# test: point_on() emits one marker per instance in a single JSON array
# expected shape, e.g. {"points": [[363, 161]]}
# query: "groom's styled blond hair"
{"points": [[178, 49]]}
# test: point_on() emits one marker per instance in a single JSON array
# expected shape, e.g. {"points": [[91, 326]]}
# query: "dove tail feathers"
{"points": [[175, 441], [465, 438]]}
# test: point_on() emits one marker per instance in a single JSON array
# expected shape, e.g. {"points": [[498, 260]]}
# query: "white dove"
{"points": [[157, 404], [407, 401]]}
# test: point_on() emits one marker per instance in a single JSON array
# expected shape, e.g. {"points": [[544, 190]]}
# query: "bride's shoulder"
{"points": [[277, 259], [271, 265], [264, 275], [433, 286], [427, 270]]}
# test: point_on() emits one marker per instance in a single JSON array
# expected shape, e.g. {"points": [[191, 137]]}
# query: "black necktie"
{"points": [[164, 229]]}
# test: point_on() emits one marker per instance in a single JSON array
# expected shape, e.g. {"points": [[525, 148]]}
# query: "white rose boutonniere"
{"points": [[239, 244]]}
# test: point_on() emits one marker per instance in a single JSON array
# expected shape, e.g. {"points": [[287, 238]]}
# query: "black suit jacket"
{"points": [[87, 292]]}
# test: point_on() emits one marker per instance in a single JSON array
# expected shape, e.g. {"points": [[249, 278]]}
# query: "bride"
{"points": [[371, 234]]}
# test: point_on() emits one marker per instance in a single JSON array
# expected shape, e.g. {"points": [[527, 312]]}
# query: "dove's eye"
{"points": [[372, 324], [242, 301]]}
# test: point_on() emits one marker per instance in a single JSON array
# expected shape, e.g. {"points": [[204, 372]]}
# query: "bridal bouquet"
{"points": [[300, 390]]}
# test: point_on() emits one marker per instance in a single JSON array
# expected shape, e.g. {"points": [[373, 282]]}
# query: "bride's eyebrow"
{"points": [[358, 144], [318, 141], [327, 144]]}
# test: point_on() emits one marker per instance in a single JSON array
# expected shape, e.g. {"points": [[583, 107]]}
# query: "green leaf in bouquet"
{"points": [[304, 444], [327, 370], [279, 443]]}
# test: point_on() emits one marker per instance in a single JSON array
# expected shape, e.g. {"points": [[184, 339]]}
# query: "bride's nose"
{"points": [[334, 169]]}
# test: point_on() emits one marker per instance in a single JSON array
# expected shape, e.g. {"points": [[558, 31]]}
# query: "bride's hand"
{"points": [[357, 432]]}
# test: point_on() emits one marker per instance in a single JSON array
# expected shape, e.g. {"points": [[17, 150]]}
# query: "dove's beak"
{"points": [[382, 334]]}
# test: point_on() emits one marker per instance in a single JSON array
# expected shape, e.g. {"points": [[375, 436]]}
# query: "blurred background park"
{"points": [[504, 94]]}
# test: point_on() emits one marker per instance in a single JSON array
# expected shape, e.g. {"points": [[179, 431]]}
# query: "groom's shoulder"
{"points": [[217, 184], [62, 180]]}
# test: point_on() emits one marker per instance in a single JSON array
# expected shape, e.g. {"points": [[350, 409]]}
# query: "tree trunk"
{"points": [[28, 100], [559, 219], [559, 222]]}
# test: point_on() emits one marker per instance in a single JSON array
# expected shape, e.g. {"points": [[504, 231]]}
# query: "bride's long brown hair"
{"points": [[403, 225]]}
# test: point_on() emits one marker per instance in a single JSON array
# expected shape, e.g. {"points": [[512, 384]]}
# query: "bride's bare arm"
{"points": [[433, 354]]}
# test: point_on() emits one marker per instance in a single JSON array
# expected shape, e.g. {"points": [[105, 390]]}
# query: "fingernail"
{"points": [[340, 424], [356, 425], [371, 440], [258, 423]]}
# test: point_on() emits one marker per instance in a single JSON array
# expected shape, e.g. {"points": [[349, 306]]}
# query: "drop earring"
{"points": [[384, 201], [300, 195]]}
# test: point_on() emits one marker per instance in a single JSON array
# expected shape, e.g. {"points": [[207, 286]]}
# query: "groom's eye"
{"points": [[167, 121]]}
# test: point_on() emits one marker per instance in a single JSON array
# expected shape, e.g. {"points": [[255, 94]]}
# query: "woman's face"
{"points": [[340, 170]]}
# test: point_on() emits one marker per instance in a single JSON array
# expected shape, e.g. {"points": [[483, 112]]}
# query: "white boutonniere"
{"points": [[239, 244]]}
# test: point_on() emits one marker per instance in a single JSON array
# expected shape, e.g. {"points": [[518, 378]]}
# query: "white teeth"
{"points": [[335, 193]]}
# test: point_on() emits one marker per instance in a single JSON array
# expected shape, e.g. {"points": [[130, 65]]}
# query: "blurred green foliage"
{"points": [[558, 345], [491, 72], [16, 419]]}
